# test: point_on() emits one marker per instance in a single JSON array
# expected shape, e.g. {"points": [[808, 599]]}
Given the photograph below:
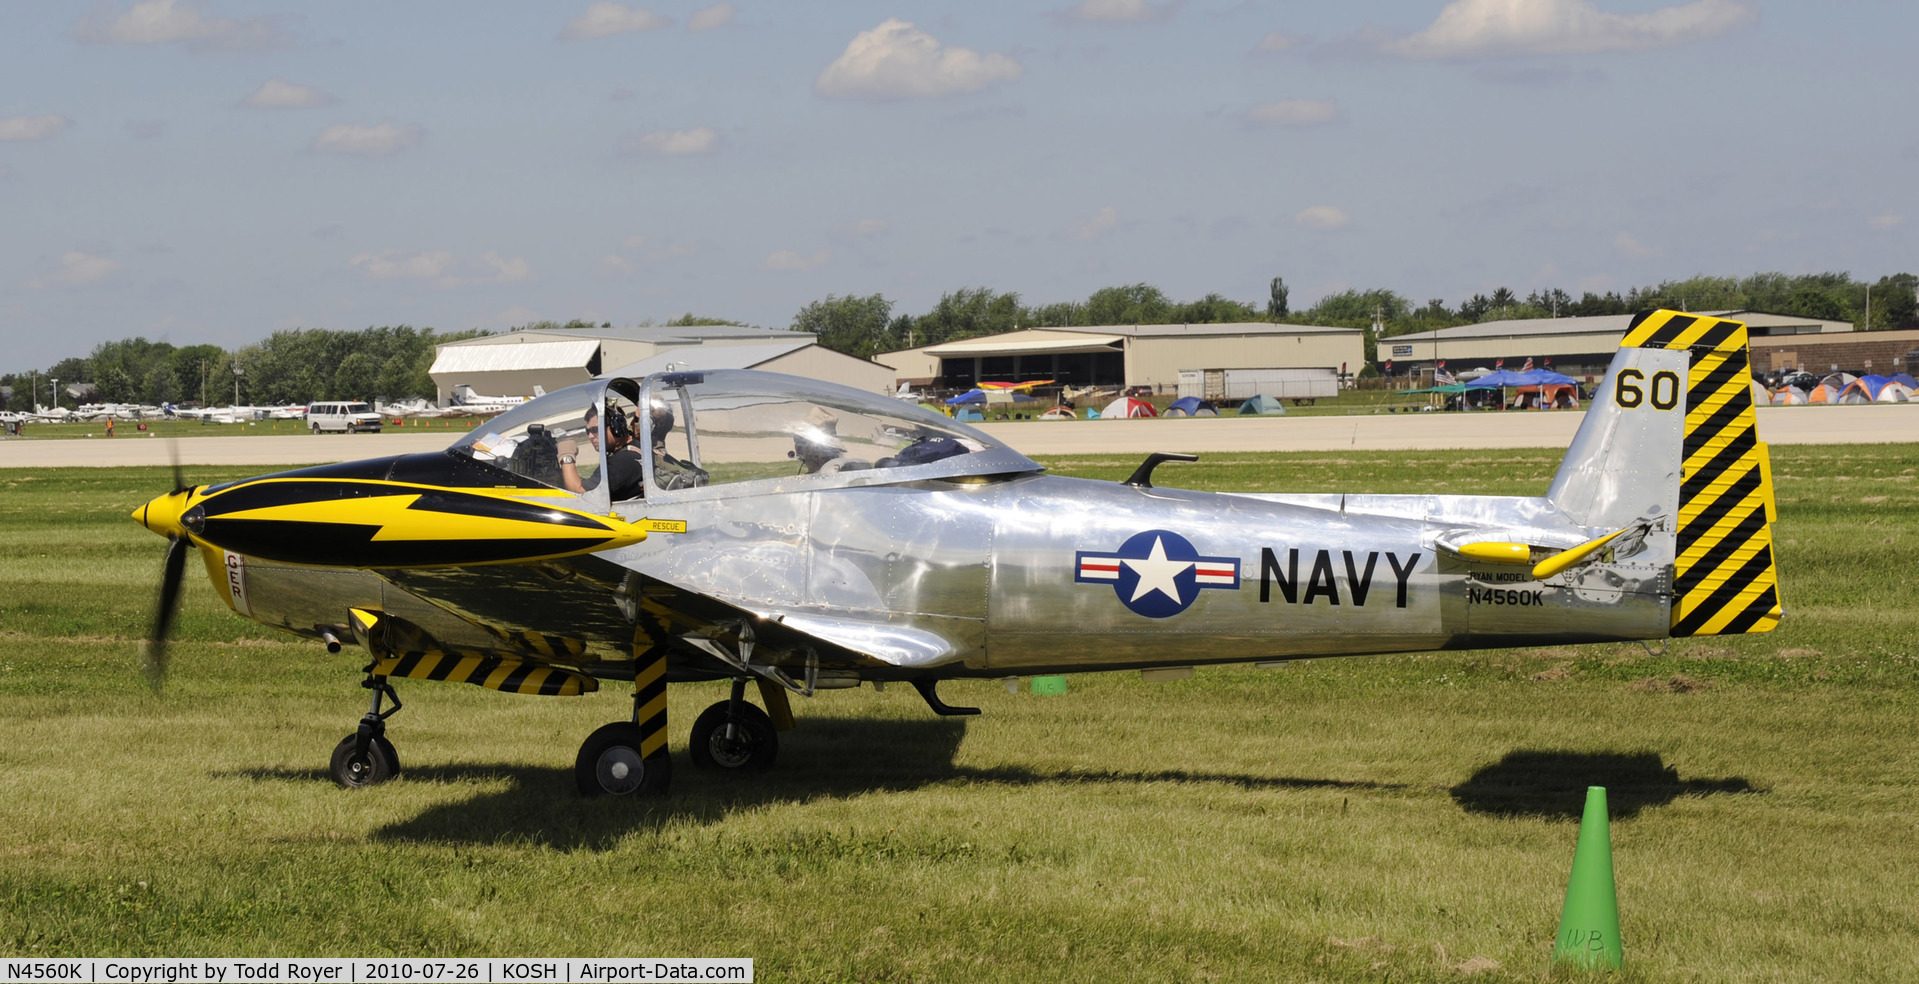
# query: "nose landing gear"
{"points": [[366, 757]]}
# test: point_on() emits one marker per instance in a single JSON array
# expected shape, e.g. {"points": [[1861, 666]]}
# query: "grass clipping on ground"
{"points": [[1403, 818]]}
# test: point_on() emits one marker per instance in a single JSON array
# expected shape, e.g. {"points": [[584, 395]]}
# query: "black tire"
{"points": [[379, 765], [752, 748], [609, 764], [316, 430], [392, 756]]}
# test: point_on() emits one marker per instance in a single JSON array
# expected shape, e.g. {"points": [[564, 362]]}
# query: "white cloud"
{"points": [[1280, 41], [1625, 243], [787, 259], [76, 268], [367, 141], [1326, 217], [897, 61], [672, 143], [32, 127], [1478, 28], [275, 94], [605, 19], [633, 242], [443, 268], [168, 22], [718, 15], [860, 229], [615, 265], [673, 251], [393, 265], [1103, 221], [1122, 11], [147, 129], [1885, 221], [1294, 112], [503, 270]]}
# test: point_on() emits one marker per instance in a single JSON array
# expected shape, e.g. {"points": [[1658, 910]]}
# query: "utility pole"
{"points": [[1868, 307], [203, 382], [236, 383]]}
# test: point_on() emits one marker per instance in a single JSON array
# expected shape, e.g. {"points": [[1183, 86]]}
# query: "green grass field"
{"points": [[1405, 818]]}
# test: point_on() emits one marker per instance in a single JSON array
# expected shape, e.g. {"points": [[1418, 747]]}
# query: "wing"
{"points": [[595, 615]]}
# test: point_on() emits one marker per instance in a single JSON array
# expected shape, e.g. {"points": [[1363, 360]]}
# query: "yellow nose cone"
{"points": [[162, 514]]}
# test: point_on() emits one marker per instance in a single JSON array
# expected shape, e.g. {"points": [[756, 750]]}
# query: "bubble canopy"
{"points": [[737, 432]]}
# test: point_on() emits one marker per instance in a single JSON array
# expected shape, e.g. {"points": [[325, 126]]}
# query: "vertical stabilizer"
{"points": [[1672, 433]]}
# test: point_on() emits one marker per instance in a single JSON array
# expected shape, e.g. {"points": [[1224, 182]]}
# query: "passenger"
{"points": [[816, 446], [669, 473]]}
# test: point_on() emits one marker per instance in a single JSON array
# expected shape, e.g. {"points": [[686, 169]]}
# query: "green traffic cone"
{"points": [[1589, 924]]}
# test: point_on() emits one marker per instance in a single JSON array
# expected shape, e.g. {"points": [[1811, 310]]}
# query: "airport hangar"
{"points": [[1126, 355], [513, 363], [1584, 347]]}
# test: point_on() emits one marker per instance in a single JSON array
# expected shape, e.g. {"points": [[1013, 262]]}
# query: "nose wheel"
{"points": [[365, 757]]}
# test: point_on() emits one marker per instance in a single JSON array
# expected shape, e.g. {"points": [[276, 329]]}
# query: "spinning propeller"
{"points": [[162, 516]]}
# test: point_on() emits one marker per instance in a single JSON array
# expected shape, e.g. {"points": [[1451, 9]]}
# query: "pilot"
{"points": [[623, 463]]}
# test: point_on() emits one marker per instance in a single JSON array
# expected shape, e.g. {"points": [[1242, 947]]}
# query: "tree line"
{"points": [[867, 325], [292, 366], [391, 362]]}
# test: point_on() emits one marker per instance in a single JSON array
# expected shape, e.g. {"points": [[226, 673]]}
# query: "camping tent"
{"points": [[1263, 405], [970, 396], [1192, 406], [1789, 396], [1058, 413], [1874, 389], [1830, 387], [1126, 406]]}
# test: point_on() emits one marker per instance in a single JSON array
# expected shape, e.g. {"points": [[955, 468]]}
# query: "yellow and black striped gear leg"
{"points": [[649, 698]]}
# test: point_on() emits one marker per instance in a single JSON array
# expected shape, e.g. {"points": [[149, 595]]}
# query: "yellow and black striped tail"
{"points": [[1725, 581]]}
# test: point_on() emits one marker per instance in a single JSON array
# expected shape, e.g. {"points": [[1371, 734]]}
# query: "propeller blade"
{"points": [[179, 477], [156, 657]]}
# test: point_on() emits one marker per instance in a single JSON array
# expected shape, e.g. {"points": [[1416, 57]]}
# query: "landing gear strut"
{"points": [[629, 758], [366, 757], [734, 735]]}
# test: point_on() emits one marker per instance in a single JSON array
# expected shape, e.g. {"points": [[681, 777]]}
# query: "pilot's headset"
{"points": [[615, 429]]}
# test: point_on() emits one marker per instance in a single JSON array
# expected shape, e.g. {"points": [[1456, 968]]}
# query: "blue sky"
{"points": [[212, 172]]}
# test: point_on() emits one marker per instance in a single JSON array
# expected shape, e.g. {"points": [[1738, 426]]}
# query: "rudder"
{"points": [[1725, 580], [1699, 472]]}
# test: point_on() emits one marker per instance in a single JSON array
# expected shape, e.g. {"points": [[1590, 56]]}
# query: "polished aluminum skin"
{"points": [[853, 536]]}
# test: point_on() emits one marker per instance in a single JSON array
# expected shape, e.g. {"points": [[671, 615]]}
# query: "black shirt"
{"points": [[627, 469]]}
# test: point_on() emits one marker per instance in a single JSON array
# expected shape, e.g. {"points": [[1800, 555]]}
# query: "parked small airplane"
{"points": [[465, 402], [805, 537]]}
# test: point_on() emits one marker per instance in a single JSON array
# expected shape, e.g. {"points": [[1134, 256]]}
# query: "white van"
{"points": [[342, 415]]}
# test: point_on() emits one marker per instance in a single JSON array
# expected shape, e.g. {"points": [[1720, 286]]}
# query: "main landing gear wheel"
{"points": [[610, 764], [751, 745], [354, 771]]}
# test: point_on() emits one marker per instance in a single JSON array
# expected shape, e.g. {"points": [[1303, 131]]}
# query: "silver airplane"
{"points": [[806, 537]]}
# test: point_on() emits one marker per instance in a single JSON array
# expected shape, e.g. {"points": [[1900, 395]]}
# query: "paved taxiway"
{"points": [[1370, 432]]}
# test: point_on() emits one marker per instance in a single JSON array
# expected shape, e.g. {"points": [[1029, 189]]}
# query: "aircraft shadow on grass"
{"points": [[825, 758], [1552, 784]]}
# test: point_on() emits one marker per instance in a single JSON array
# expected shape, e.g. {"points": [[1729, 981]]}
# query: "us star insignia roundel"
{"points": [[1157, 573]]}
